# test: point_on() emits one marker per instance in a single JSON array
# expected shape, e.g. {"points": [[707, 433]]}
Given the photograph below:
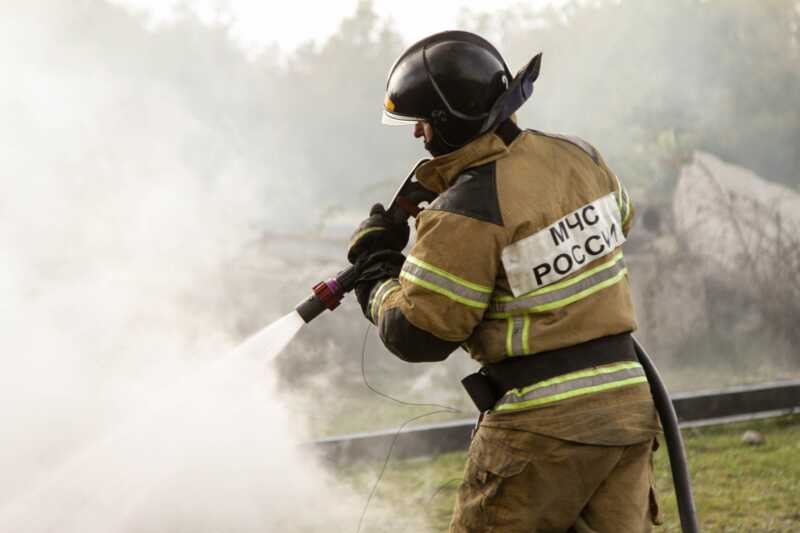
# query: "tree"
{"points": [[723, 76]]}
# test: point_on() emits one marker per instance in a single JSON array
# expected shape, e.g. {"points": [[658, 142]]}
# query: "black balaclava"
{"points": [[436, 147], [463, 135]]}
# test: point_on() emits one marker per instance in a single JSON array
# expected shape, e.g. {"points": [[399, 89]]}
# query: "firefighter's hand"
{"points": [[376, 233], [373, 269]]}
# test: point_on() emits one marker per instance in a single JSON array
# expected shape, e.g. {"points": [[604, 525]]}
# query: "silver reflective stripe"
{"points": [[529, 303], [378, 294], [460, 292], [579, 383]]}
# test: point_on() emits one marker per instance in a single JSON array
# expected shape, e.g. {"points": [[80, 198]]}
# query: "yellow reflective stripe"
{"points": [[375, 295], [442, 282], [452, 277], [623, 200], [566, 283], [627, 207], [573, 384], [581, 295], [361, 233], [445, 283], [380, 306], [516, 343], [619, 191], [379, 294], [444, 292], [510, 337], [587, 373], [571, 394], [526, 330], [568, 300]]}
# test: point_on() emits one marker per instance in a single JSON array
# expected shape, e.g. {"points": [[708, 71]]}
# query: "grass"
{"points": [[738, 487]]}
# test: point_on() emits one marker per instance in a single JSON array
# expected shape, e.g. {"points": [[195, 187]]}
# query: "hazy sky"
{"points": [[256, 22]]}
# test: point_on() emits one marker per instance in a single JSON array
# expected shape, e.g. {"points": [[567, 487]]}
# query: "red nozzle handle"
{"points": [[328, 293]]}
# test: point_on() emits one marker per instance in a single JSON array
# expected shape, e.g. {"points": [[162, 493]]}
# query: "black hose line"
{"points": [[675, 448]]}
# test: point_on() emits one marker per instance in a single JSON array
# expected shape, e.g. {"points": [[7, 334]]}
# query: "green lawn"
{"points": [[738, 487]]}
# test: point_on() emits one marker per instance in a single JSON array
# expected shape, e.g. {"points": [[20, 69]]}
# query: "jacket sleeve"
{"points": [[623, 199], [443, 289], [625, 204]]}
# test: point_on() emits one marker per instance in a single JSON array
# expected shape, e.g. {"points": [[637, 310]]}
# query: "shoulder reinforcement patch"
{"points": [[474, 195], [577, 141]]}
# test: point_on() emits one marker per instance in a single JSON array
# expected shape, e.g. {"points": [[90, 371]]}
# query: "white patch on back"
{"points": [[553, 253]]}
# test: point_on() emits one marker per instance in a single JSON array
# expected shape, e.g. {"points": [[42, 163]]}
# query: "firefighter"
{"points": [[519, 262]]}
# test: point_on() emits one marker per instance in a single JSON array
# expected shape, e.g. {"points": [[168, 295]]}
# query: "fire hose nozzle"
{"points": [[327, 295]]}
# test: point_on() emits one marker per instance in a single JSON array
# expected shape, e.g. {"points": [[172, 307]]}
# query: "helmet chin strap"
{"points": [[436, 146], [439, 144]]}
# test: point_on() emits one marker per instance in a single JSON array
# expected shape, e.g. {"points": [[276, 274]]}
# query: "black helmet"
{"points": [[459, 83]]}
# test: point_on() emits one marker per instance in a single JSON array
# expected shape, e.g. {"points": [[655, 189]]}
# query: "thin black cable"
{"points": [[386, 462], [440, 409], [384, 395]]}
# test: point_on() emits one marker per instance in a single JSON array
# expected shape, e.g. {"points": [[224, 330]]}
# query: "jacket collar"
{"points": [[439, 173]]}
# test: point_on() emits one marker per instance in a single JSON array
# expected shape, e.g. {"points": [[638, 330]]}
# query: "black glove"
{"points": [[376, 233], [373, 269]]}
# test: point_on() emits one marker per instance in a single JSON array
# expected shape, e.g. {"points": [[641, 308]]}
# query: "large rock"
{"points": [[733, 219], [723, 258], [742, 235]]}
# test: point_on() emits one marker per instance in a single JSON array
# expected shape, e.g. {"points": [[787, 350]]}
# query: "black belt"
{"points": [[491, 382]]}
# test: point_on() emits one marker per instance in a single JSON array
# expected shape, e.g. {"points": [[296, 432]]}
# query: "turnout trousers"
{"points": [[522, 482]]}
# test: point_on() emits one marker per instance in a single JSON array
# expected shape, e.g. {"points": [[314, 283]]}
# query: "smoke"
{"points": [[121, 208]]}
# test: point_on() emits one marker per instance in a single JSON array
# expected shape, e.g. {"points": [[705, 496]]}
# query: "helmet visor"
{"points": [[390, 119]]}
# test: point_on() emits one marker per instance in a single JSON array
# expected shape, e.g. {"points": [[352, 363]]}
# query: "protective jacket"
{"points": [[519, 255]]}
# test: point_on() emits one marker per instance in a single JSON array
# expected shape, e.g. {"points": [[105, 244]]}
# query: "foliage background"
{"points": [[647, 81]]}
